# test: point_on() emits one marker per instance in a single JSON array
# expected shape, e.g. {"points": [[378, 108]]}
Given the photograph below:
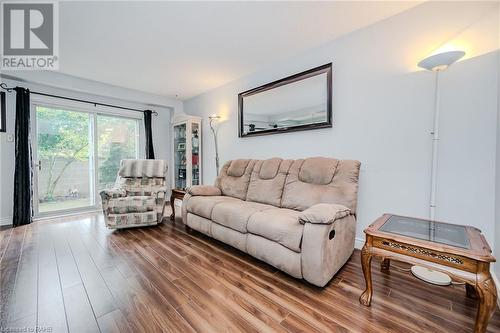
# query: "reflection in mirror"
{"points": [[302, 101]]}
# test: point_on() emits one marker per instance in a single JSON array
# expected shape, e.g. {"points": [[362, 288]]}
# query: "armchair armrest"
{"points": [[204, 190], [323, 213], [115, 192]]}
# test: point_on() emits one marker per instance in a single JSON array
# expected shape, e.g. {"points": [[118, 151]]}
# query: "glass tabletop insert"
{"points": [[444, 233]]}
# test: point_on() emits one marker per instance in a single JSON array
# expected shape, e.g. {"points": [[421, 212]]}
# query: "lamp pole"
{"points": [[435, 149], [213, 118]]}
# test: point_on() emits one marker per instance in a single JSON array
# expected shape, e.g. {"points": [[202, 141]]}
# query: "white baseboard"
{"points": [[67, 214], [358, 243], [5, 220], [497, 284]]}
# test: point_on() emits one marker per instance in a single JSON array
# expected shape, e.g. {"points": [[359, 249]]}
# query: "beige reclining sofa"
{"points": [[297, 215]]}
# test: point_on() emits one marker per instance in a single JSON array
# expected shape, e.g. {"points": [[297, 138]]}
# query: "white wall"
{"points": [[64, 85], [382, 109]]}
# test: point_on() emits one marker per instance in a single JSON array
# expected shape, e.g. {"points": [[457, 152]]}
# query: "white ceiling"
{"points": [[187, 48]]}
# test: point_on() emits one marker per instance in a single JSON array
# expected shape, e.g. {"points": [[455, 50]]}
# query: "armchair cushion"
{"points": [[143, 168], [139, 204], [143, 186], [204, 190], [116, 192], [323, 213]]}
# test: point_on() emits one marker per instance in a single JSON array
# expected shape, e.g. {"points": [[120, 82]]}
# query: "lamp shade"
{"points": [[440, 61]]}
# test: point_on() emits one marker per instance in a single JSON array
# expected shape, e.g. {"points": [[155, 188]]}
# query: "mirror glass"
{"points": [[300, 103]]}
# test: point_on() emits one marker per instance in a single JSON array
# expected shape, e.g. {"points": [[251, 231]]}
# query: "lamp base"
{"points": [[430, 276]]}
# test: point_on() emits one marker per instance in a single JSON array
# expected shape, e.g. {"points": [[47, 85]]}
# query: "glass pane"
{"points": [[195, 156], [180, 156], [117, 139], [450, 234], [64, 163]]}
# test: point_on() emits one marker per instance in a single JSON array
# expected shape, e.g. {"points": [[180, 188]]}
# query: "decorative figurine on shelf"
{"points": [[182, 173], [196, 140]]}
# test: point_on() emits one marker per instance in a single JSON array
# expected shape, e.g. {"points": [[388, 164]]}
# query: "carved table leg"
{"points": [[487, 295], [172, 205], [366, 260], [385, 264]]}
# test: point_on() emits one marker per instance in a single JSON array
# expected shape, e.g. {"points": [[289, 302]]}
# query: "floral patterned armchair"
{"points": [[139, 195]]}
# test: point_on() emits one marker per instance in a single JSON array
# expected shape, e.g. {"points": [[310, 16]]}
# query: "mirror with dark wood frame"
{"points": [[299, 102]]}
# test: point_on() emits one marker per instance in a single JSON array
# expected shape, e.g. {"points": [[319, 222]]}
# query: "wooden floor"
{"points": [[75, 275]]}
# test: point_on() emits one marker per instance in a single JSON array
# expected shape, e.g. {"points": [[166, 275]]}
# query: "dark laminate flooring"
{"points": [[75, 275]]}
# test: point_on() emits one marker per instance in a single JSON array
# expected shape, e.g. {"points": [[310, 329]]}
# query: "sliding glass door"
{"points": [[77, 153], [64, 149], [117, 139]]}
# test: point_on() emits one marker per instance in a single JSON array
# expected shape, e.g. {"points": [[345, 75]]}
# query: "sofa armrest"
{"points": [[184, 211], [324, 213], [326, 248], [204, 190]]}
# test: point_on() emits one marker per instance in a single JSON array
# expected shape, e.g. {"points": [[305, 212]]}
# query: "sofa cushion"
{"points": [[234, 178], [306, 185], [237, 168], [229, 236], [139, 204], [267, 181], [235, 214], [203, 205], [273, 253], [199, 223], [268, 169], [318, 170], [279, 225]]}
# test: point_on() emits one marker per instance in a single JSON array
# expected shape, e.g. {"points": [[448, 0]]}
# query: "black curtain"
{"points": [[23, 192], [150, 153]]}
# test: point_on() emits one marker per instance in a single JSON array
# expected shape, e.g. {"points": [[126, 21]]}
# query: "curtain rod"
{"points": [[4, 87]]}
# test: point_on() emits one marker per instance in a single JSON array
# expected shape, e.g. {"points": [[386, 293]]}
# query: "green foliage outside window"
{"points": [[117, 141], [63, 138]]}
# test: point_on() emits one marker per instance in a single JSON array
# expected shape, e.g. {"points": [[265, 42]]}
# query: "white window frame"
{"points": [[93, 111]]}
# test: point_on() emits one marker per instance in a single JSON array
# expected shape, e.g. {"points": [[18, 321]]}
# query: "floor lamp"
{"points": [[435, 63], [213, 118]]}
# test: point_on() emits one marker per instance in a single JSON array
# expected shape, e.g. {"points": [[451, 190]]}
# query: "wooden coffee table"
{"points": [[176, 194], [459, 251]]}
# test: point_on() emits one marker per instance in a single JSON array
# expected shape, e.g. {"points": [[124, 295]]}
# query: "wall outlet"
{"points": [[10, 137]]}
